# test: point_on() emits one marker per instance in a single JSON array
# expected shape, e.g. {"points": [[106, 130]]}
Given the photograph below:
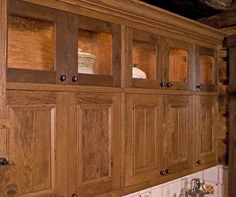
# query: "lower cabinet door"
{"points": [[206, 128], [34, 144], [95, 150], [143, 138], [178, 141]]}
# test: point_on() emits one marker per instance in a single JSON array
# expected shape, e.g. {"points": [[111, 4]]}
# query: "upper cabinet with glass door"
{"points": [[178, 65], [206, 69], [144, 59], [159, 62], [99, 51], [52, 46], [31, 43]]}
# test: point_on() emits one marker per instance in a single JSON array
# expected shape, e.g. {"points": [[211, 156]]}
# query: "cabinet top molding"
{"points": [[133, 12]]}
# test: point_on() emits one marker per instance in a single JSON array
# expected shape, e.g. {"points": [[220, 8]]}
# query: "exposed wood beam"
{"points": [[231, 44], [218, 4], [225, 19]]}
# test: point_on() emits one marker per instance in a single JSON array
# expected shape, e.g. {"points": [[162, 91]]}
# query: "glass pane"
{"points": [[178, 65], [144, 60], [206, 69], [94, 52], [31, 43]]}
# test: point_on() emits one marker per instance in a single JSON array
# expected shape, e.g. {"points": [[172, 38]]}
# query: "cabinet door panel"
{"points": [[178, 133], [98, 142], [179, 64], [206, 129], [144, 124], [206, 70], [32, 144]]}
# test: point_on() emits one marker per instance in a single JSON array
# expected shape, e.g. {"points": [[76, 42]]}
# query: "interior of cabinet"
{"points": [[178, 65], [206, 69], [31, 43], [144, 60], [94, 52]]}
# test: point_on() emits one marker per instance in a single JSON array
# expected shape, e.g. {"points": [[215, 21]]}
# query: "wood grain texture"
{"points": [[206, 125], [178, 133], [144, 125], [97, 139], [31, 43], [32, 145], [129, 12], [3, 54]]}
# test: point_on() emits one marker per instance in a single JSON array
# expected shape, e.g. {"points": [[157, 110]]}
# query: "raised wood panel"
{"points": [[32, 148], [32, 144], [95, 143], [98, 144], [143, 133], [206, 129], [178, 133]]}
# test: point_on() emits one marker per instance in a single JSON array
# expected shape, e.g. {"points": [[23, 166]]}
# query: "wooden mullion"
{"points": [[67, 47], [3, 55], [30, 76]]}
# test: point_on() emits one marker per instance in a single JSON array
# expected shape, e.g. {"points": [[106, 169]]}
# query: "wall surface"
{"points": [[216, 180]]}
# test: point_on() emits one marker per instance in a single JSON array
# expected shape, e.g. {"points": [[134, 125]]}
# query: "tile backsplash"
{"points": [[216, 182]]}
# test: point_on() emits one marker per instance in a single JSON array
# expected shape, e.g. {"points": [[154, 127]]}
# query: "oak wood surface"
{"points": [[144, 125], [178, 135], [206, 125], [80, 126], [154, 17]]}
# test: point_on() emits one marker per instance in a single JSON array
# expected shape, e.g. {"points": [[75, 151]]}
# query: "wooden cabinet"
{"points": [[51, 46], [134, 129], [158, 136], [64, 143], [155, 61], [206, 126]]}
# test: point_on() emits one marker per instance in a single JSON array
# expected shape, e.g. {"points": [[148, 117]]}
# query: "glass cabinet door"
{"points": [[178, 65], [145, 66], [31, 43], [206, 69], [98, 52]]}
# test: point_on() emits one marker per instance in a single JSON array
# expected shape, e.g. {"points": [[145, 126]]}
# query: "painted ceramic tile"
{"points": [[211, 174]]}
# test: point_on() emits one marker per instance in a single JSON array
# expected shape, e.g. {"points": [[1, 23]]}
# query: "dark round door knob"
{"points": [[162, 84], [168, 85], [74, 195], [75, 78], [199, 87], [199, 162], [63, 77], [167, 171], [162, 172]]}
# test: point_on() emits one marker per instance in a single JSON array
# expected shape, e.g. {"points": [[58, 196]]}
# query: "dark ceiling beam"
{"points": [[193, 9], [218, 4], [222, 20]]}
